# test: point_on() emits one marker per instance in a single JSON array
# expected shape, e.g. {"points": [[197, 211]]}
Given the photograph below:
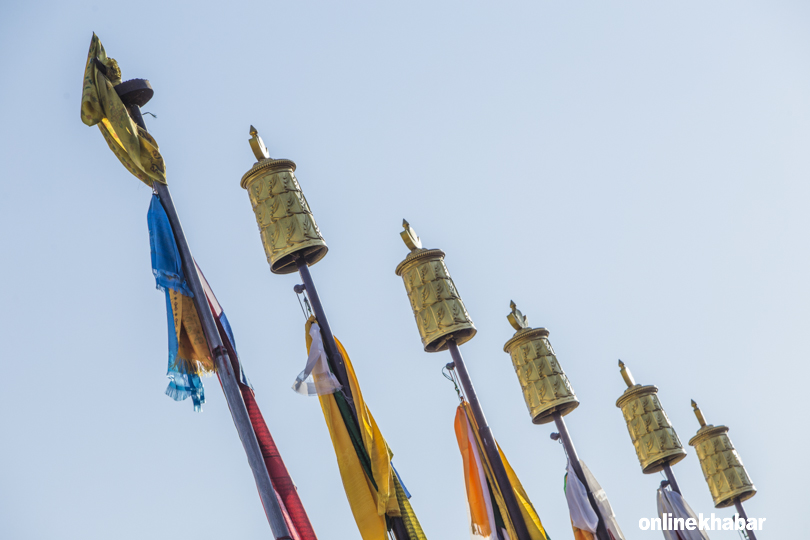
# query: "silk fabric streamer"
{"points": [[292, 508], [323, 382], [584, 518], [603, 504], [479, 497], [489, 518], [189, 357], [671, 502], [372, 487]]}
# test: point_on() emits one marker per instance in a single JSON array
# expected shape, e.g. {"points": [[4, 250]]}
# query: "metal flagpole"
{"points": [[444, 323], [741, 510], [601, 531], [336, 361], [488, 441], [671, 479], [662, 447], [546, 389], [729, 482], [225, 369], [332, 353], [293, 243], [233, 396]]}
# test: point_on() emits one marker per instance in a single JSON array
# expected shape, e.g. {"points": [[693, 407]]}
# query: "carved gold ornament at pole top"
{"points": [[439, 311], [722, 467], [544, 384], [286, 223], [650, 430]]}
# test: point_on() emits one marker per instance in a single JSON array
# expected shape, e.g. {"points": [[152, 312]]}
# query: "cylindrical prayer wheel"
{"points": [[286, 223], [544, 384], [722, 467], [439, 311], [649, 427]]}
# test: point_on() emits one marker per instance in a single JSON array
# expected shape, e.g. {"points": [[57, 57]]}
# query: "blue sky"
{"points": [[632, 174]]}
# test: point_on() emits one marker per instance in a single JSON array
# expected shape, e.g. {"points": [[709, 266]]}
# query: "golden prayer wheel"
{"points": [[544, 384], [286, 223], [439, 311], [650, 430], [722, 467]]}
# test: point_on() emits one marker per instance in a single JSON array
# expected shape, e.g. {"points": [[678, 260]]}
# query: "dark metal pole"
{"points": [[229, 385], [397, 525], [233, 396], [671, 478], [601, 530], [741, 510], [329, 340], [490, 447]]}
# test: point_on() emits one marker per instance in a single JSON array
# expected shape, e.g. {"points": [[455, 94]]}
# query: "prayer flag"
{"points": [[189, 357], [188, 351], [479, 496], [292, 508], [671, 503], [489, 518], [373, 488], [584, 518], [603, 504], [316, 379], [530, 516]]}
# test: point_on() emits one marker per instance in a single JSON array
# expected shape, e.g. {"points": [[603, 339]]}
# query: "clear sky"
{"points": [[633, 174]]}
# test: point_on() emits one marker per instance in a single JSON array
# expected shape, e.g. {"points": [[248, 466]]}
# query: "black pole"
{"points": [[490, 447], [671, 479], [741, 510], [398, 527], [601, 530], [339, 367], [326, 331], [233, 396]]}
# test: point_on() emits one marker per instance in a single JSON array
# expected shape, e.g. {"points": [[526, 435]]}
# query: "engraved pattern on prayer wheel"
{"points": [[545, 385], [722, 467], [286, 223], [439, 311], [651, 432]]}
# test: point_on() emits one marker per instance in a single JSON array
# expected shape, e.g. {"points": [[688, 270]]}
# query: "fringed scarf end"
{"points": [[183, 387]]}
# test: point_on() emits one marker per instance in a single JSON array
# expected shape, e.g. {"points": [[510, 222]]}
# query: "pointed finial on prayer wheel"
{"points": [[699, 414], [626, 375], [409, 237], [517, 319], [257, 145]]}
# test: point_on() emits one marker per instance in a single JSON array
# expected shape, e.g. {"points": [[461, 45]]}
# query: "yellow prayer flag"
{"points": [[369, 506], [359, 491], [193, 356], [533, 524], [374, 442]]}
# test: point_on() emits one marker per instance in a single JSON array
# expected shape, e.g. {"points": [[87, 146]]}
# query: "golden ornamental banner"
{"points": [[102, 106]]}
